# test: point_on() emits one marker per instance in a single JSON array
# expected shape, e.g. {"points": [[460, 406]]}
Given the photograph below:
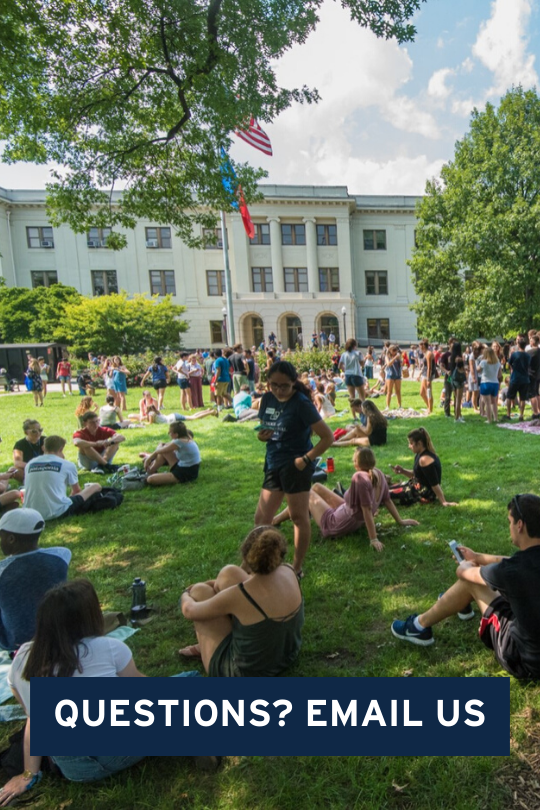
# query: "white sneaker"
{"points": [[461, 419]]}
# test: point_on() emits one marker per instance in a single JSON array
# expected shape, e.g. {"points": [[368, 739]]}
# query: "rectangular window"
{"points": [[212, 238], [40, 237], [215, 282], [44, 278], [293, 234], [158, 238], [295, 279], [261, 279], [374, 240], [162, 282], [329, 279], [327, 234], [216, 331], [376, 282], [378, 328], [104, 282], [97, 237], [262, 234]]}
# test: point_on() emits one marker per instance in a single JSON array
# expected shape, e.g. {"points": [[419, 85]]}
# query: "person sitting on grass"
{"points": [[337, 516], [97, 445], [26, 449], [26, 574], [424, 484], [86, 404], [47, 479], [111, 416], [181, 455], [249, 620], [374, 433], [506, 591]]}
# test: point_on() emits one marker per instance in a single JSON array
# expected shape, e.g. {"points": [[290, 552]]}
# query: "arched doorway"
{"points": [[252, 330], [329, 323], [289, 327]]}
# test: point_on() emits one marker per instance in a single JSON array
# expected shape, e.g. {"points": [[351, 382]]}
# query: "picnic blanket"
{"points": [[525, 427], [404, 413]]}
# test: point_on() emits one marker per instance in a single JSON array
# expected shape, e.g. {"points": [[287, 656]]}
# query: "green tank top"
{"points": [[268, 647]]}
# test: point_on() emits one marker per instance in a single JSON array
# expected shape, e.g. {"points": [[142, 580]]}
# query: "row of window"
{"points": [[377, 329], [162, 282], [161, 238], [105, 282]]}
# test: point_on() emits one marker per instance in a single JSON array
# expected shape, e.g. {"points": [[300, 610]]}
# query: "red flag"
{"points": [[255, 136], [249, 227]]}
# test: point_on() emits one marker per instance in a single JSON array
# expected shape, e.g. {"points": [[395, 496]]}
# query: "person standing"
{"points": [[288, 418], [182, 371], [240, 368], [120, 373], [350, 363], [519, 362], [446, 368], [223, 379], [63, 373], [44, 371], [250, 362], [160, 378], [195, 382], [427, 375]]}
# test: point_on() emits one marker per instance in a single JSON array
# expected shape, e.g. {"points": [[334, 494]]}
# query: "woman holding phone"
{"points": [[288, 418]]}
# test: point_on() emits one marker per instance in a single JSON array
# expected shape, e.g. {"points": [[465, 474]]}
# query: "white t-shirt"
{"points": [[489, 371], [46, 478], [350, 363], [108, 415], [182, 369], [100, 657]]}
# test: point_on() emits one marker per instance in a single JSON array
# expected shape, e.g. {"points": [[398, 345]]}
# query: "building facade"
{"points": [[321, 260]]}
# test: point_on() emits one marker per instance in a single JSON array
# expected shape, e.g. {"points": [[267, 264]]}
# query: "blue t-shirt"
{"points": [[291, 422], [24, 580], [519, 363], [241, 402], [223, 364], [159, 373]]}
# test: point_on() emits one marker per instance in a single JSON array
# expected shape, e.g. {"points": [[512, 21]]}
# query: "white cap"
{"points": [[22, 521]]}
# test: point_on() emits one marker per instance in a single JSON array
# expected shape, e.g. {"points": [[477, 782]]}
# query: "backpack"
{"points": [[131, 481], [108, 498]]}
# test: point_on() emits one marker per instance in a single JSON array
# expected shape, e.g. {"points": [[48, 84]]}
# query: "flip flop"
{"points": [[192, 651]]}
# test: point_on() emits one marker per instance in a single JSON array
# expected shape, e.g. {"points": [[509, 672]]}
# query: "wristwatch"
{"points": [[27, 774]]}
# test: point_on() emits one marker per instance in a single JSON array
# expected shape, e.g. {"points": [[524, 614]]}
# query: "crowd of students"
{"points": [[248, 621]]}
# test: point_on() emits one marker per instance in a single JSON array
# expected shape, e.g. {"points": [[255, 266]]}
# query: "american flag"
{"points": [[255, 136]]}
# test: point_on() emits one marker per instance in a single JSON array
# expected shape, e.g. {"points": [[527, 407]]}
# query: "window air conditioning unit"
{"points": [[93, 243], [104, 243], [151, 243], [47, 243]]}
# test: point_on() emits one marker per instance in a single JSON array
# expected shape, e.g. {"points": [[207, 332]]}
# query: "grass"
{"points": [[178, 535]]}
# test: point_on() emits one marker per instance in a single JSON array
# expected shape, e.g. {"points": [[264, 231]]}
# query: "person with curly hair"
{"points": [[249, 620]]}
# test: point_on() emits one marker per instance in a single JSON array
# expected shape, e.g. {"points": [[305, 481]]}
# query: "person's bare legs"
{"points": [[93, 455], [423, 391], [10, 500], [269, 502], [457, 402], [521, 408], [161, 397], [455, 599], [397, 387], [389, 390], [495, 408], [201, 414], [160, 460], [298, 504], [359, 441], [320, 499]]}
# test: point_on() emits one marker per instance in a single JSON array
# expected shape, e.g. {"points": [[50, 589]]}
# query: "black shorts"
{"points": [[496, 633], [160, 384], [289, 479], [534, 387], [518, 388], [185, 474], [77, 506]]}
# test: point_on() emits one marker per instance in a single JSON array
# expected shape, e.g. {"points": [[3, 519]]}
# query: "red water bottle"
{"points": [[330, 464]]}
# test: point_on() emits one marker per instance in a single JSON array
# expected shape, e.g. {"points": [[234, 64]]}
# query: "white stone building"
{"points": [[321, 259]]}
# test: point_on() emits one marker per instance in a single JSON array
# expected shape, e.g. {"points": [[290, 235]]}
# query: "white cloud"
{"points": [[467, 65], [501, 46], [401, 175], [464, 107], [440, 42], [437, 87]]}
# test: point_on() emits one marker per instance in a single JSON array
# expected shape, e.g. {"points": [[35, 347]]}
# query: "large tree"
{"points": [[476, 268], [140, 94], [33, 315]]}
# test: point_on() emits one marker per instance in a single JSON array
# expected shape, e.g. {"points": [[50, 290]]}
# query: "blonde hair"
{"points": [[490, 355], [84, 406]]}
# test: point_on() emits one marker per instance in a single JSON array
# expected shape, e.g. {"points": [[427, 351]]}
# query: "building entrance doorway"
{"points": [[293, 325]]}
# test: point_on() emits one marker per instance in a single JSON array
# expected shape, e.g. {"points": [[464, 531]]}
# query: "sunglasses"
{"points": [[515, 502]]}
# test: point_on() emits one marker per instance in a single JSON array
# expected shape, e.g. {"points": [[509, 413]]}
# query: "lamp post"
{"points": [[224, 333], [344, 313]]}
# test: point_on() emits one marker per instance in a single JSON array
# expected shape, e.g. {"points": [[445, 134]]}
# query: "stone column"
{"points": [[277, 259], [311, 254]]}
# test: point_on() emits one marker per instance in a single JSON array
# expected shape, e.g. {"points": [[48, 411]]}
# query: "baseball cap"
{"points": [[22, 521]]}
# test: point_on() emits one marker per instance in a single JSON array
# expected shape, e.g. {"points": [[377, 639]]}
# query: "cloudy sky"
{"points": [[389, 115]]}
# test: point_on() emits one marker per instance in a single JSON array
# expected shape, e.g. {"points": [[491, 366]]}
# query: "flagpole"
{"points": [[228, 291]]}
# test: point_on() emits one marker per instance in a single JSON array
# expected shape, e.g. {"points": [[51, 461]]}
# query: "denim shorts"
{"points": [[354, 380], [64, 378], [489, 389]]}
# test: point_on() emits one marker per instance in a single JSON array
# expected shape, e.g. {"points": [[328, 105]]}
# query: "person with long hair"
{"points": [[424, 484], [249, 620], [195, 382], [160, 379], [119, 374], [287, 420], [44, 371], [393, 374], [489, 369], [107, 374], [69, 643], [427, 374], [86, 404], [350, 364], [181, 454], [374, 432], [34, 375], [337, 516], [322, 402]]}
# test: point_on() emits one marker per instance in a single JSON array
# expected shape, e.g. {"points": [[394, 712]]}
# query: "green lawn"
{"points": [[179, 535]]}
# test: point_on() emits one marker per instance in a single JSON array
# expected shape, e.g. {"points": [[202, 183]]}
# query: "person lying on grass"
{"points": [[337, 516], [424, 484], [249, 620], [506, 591], [181, 454]]}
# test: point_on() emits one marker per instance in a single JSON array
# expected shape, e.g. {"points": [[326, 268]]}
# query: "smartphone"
{"points": [[258, 428], [455, 551]]}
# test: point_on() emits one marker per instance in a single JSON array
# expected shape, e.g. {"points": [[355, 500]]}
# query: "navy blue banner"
{"points": [[270, 716]]}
